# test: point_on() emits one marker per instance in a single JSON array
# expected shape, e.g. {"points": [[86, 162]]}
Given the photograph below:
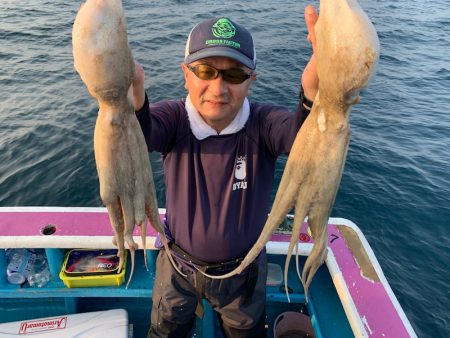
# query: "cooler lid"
{"points": [[100, 324]]}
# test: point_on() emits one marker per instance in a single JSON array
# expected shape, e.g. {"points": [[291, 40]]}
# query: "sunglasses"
{"points": [[231, 75]]}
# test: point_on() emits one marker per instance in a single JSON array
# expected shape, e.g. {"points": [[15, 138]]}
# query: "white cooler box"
{"points": [[111, 324]]}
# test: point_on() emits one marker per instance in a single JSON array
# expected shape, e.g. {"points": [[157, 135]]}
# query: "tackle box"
{"points": [[91, 268]]}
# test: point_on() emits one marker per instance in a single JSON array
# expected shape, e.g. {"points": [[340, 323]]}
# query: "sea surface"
{"points": [[396, 183]]}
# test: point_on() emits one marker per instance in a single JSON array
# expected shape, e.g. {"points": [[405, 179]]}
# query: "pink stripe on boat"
{"points": [[370, 297], [66, 223]]}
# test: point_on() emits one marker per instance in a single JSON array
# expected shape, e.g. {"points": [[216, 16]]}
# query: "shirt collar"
{"points": [[202, 130]]}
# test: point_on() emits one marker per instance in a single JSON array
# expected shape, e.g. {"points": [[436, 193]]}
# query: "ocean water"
{"points": [[396, 183]]}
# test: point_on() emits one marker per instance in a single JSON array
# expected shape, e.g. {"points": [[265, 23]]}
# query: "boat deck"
{"points": [[344, 296]]}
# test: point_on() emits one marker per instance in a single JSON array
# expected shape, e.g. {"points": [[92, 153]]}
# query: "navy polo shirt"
{"points": [[218, 189]]}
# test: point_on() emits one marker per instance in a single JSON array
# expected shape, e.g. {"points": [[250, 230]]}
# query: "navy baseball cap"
{"points": [[220, 37]]}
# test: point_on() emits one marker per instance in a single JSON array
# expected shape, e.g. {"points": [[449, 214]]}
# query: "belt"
{"points": [[210, 268]]}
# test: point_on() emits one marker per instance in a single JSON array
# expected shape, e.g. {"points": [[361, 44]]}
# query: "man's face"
{"points": [[216, 100]]}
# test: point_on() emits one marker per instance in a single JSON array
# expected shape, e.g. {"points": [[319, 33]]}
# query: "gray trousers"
{"points": [[240, 310]]}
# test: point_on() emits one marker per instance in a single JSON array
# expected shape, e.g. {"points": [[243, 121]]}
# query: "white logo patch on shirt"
{"points": [[240, 173]]}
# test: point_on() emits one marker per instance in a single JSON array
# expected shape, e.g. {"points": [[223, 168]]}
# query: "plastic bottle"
{"points": [[26, 264], [39, 273], [18, 265]]}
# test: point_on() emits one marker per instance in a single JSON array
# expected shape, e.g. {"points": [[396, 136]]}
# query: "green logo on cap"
{"points": [[223, 28]]}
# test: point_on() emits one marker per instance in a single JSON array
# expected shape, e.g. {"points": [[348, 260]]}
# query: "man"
{"points": [[219, 154]]}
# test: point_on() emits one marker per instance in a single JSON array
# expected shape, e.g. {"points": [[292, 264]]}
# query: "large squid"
{"points": [[104, 61], [347, 52]]}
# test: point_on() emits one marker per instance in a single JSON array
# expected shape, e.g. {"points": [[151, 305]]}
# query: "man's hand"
{"points": [[310, 80], [137, 86]]}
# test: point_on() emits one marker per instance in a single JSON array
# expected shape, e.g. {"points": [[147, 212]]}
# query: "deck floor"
{"points": [[55, 299]]}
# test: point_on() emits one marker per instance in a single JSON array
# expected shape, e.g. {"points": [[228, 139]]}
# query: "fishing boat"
{"points": [[349, 296]]}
